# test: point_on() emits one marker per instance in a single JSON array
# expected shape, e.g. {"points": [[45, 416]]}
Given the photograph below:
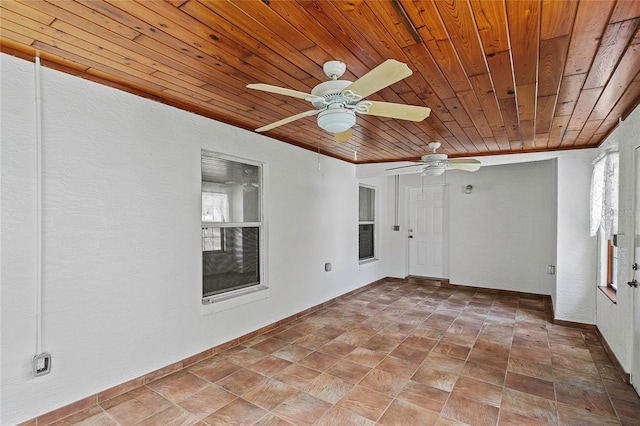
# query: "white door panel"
{"points": [[426, 232], [635, 367]]}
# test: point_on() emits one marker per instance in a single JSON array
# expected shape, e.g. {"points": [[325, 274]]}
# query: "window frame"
{"points": [[238, 296], [374, 223]]}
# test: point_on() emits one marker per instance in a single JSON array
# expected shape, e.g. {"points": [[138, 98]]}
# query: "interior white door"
{"points": [[635, 367], [427, 232]]}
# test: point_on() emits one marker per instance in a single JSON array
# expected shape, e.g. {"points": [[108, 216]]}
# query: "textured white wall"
{"points": [[122, 265], [501, 236], [615, 320], [577, 251]]}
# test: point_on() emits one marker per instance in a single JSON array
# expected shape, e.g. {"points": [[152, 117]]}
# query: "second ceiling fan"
{"points": [[336, 101]]}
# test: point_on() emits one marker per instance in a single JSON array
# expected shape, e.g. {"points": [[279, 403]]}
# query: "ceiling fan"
{"points": [[336, 101], [435, 164]]}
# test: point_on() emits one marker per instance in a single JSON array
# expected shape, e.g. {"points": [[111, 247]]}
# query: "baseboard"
{"points": [[572, 324], [616, 362], [129, 385]]}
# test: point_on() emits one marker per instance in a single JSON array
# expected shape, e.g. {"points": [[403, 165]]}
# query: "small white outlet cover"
{"points": [[41, 364]]}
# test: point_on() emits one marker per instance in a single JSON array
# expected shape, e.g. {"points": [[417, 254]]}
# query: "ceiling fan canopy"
{"points": [[435, 164], [337, 101]]}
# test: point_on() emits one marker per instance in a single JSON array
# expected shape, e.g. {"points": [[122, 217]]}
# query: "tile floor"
{"points": [[395, 354]]}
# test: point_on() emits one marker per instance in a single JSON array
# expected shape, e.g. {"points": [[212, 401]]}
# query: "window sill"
{"points": [[609, 292], [232, 300], [367, 263]]}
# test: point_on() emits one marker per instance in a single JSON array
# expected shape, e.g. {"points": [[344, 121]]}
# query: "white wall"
{"points": [[122, 263], [615, 320], [502, 235], [559, 180], [577, 251]]}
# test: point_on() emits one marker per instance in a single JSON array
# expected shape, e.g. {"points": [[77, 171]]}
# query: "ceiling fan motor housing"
{"points": [[336, 119], [434, 158]]}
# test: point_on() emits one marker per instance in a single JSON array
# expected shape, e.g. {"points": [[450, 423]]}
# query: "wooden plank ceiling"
{"points": [[503, 76]]}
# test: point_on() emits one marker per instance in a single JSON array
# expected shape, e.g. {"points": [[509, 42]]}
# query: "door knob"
{"points": [[633, 283], [410, 236]]}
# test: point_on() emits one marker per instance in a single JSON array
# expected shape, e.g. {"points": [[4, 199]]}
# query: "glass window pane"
{"points": [[365, 241], [237, 266], [366, 203], [230, 191]]}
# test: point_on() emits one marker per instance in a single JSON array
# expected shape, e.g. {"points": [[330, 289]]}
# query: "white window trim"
{"points": [[234, 298], [370, 262]]}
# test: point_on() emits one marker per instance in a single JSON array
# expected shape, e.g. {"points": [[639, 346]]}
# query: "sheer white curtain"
{"points": [[604, 195]]}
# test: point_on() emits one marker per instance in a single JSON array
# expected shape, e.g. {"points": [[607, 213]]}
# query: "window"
{"points": [[604, 218], [231, 225], [215, 208], [366, 223]]}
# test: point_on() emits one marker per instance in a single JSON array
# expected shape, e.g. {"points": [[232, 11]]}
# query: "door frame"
{"points": [[406, 220]]}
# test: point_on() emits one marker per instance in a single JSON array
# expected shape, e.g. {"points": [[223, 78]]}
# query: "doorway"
{"points": [[428, 232], [635, 359]]}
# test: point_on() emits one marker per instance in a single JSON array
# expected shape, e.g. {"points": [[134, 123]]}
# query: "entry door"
{"points": [[635, 367], [427, 232]]}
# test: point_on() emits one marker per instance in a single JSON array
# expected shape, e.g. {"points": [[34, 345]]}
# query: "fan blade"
{"points": [[288, 120], [385, 74], [391, 110], [282, 91], [343, 137], [464, 160], [467, 167], [404, 167]]}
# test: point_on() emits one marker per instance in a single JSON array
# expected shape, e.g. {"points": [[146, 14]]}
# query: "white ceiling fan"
{"points": [[435, 164], [337, 101]]}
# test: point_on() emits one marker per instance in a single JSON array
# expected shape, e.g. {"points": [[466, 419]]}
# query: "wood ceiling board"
{"points": [[524, 33], [28, 12], [570, 88], [509, 111], [584, 106], [402, 31], [557, 18], [627, 70], [443, 52], [587, 132], [491, 21], [591, 21], [14, 39], [558, 129], [492, 144], [458, 112], [625, 9], [73, 45], [362, 56], [472, 106], [461, 27], [526, 96], [551, 65], [200, 58], [475, 138], [613, 46], [255, 37], [541, 140], [545, 106], [486, 96], [78, 12]]}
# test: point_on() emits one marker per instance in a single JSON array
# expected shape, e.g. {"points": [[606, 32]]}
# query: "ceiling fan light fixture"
{"points": [[336, 120], [433, 171]]}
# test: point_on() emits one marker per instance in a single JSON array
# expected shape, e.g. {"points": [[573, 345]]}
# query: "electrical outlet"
{"points": [[396, 227], [41, 364], [327, 267]]}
